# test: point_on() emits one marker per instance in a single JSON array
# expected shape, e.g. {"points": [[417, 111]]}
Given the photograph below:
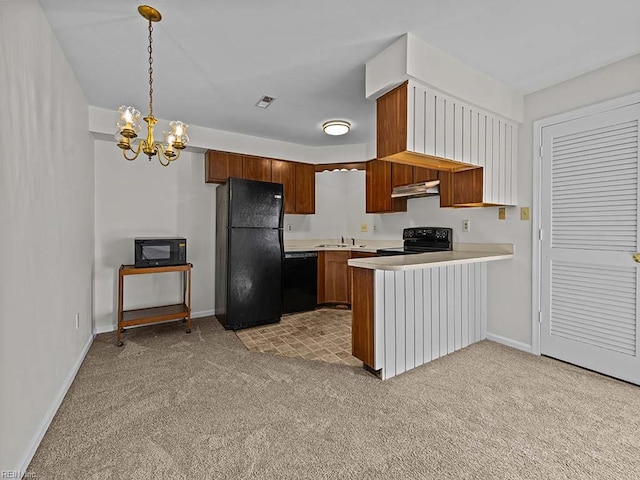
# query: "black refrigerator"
{"points": [[249, 253]]}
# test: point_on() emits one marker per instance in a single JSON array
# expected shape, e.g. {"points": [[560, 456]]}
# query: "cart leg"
{"points": [[188, 299], [120, 329]]}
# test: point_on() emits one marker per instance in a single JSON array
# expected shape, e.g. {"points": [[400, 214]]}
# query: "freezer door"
{"points": [[254, 277], [255, 204]]}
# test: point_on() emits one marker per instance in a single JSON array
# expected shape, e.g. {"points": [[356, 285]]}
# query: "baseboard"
{"points": [[46, 421], [204, 313], [104, 329], [112, 328], [509, 343]]}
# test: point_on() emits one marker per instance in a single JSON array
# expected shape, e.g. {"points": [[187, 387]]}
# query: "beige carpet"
{"points": [[201, 406], [323, 335]]}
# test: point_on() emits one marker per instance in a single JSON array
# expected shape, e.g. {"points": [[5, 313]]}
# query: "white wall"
{"points": [[46, 214], [142, 198], [330, 220]]}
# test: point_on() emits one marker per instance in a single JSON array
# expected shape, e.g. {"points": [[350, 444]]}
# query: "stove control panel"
{"points": [[434, 234]]}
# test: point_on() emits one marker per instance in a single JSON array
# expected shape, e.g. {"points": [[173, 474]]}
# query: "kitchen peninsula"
{"points": [[411, 309]]}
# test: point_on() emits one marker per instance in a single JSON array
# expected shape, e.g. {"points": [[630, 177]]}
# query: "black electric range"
{"points": [[422, 240]]}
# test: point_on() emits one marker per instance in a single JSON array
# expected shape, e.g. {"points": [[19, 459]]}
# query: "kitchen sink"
{"points": [[339, 245]]}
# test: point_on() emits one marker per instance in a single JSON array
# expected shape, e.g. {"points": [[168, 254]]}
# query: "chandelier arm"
{"points": [[137, 152], [162, 154], [160, 157]]}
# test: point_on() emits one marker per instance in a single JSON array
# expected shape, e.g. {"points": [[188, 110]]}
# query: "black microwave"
{"points": [[160, 252]]}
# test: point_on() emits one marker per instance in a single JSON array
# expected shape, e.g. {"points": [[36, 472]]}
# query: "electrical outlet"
{"points": [[289, 227], [502, 213], [375, 228], [524, 213], [364, 227], [466, 225], [77, 321]]}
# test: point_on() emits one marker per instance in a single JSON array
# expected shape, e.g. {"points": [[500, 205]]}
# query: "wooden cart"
{"points": [[143, 316]]}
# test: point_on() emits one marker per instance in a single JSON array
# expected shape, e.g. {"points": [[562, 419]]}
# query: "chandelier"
{"points": [[129, 121]]}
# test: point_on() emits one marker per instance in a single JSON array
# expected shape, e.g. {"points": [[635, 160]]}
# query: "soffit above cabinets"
{"points": [[436, 112], [410, 58]]}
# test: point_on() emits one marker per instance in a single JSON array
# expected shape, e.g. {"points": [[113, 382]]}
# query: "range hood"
{"points": [[422, 189]]}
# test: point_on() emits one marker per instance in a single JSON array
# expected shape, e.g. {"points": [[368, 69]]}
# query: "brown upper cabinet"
{"points": [[421, 174], [298, 179], [461, 188], [221, 165], [256, 168], [379, 183], [285, 173], [305, 188], [401, 174], [392, 134], [382, 177]]}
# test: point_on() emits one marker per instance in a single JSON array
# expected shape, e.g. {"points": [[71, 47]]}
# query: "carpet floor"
{"points": [[170, 405]]}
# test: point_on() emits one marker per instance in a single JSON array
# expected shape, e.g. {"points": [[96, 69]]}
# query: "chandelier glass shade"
{"points": [[128, 123]]}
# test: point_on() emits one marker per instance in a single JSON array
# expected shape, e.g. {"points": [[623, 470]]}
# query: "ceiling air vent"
{"points": [[265, 101]]}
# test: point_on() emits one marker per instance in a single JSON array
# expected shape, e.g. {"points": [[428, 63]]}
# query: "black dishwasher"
{"points": [[300, 282]]}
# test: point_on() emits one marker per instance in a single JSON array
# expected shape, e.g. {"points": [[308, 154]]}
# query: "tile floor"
{"points": [[323, 334]]}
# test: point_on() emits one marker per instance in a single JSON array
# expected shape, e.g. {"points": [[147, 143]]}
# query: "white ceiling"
{"points": [[213, 59]]}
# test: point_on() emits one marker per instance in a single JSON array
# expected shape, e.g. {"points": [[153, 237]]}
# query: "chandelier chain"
{"points": [[150, 50]]}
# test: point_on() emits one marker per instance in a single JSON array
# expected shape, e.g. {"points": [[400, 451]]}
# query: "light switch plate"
{"points": [[502, 213], [364, 227], [524, 213]]}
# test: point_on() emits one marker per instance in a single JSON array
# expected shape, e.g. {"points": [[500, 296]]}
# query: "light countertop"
{"points": [[361, 245], [462, 253]]}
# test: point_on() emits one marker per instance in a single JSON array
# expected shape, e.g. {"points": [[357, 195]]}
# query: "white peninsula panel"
{"points": [[424, 314], [411, 309]]}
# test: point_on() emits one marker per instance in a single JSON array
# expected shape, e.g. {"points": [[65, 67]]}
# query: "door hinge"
{"points": [[539, 316], [539, 234], [541, 151]]}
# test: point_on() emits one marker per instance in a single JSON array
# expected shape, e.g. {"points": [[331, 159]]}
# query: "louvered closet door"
{"points": [[589, 280]]}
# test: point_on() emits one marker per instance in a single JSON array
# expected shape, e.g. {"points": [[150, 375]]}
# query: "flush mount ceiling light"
{"points": [[129, 122], [336, 127]]}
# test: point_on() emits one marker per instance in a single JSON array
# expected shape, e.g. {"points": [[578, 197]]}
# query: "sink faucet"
{"points": [[353, 241], [341, 239]]}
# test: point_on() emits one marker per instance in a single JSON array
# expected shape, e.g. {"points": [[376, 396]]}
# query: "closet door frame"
{"points": [[536, 203]]}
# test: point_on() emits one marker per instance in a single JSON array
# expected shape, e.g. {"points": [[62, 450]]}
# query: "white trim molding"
{"points": [[112, 328], [525, 347]]}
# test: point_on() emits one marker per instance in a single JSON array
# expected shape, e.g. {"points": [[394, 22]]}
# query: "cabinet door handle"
{"points": [[636, 257]]}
